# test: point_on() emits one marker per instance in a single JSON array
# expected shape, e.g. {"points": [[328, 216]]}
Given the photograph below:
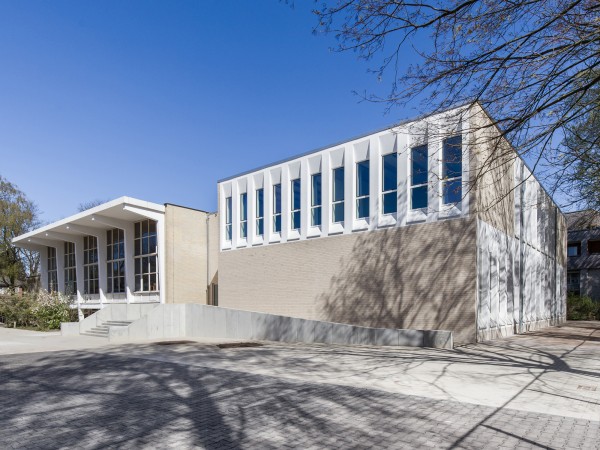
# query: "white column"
{"points": [[349, 189], [285, 203], [129, 236], [402, 161], [305, 188], [374, 183], [102, 282], [60, 266], [434, 190], [325, 194], [268, 199], [235, 215], [251, 210], [78, 241]]}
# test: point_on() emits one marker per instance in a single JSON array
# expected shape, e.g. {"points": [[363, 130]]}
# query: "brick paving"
{"points": [[106, 400]]}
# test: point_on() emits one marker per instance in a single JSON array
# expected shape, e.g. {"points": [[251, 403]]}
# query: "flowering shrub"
{"points": [[42, 310]]}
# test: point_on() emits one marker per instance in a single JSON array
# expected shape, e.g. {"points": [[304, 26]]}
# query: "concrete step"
{"points": [[95, 333], [117, 323]]}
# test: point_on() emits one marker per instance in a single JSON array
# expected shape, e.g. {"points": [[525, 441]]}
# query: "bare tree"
{"points": [[531, 64], [18, 215], [84, 206]]}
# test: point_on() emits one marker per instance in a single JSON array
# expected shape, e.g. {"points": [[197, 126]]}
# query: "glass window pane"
{"points": [[390, 172], [153, 286], [138, 266], [452, 157], [152, 263], [260, 204], [152, 244], [243, 206], [277, 224], [419, 165], [243, 229], [138, 282], [137, 247], [362, 179], [144, 228], [316, 190], [296, 194], [390, 203], [338, 212], [316, 216], [121, 271], [152, 227], [296, 220], [138, 229], [277, 198], [362, 208], [338, 184], [228, 210], [145, 246], [419, 197], [452, 191], [259, 227], [228, 232]]}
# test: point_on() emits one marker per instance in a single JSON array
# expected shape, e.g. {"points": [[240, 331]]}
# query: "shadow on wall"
{"points": [[419, 277]]}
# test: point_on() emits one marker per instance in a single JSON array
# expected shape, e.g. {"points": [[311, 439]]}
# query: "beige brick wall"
{"points": [[420, 276], [187, 261]]}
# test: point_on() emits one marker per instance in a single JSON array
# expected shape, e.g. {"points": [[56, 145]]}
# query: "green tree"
{"points": [[532, 64], [18, 215]]}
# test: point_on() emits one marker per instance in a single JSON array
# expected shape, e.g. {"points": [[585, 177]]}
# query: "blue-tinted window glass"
{"points": [[260, 203], [316, 190], [362, 207], [277, 224], [390, 172], [296, 220], [316, 216], [452, 157], [243, 206], [338, 212], [296, 194], [419, 197], [390, 203], [338, 184], [419, 165], [277, 199], [362, 178], [452, 191], [259, 227]]}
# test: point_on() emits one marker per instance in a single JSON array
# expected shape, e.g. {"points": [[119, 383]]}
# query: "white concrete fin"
{"points": [[276, 175], [388, 143], [361, 150], [242, 184], [294, 170], [259, 180], [314, 164], [336, 158]]}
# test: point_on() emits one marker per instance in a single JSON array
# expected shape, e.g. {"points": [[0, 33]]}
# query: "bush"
{"points": [[41, 310], [582, 308]]}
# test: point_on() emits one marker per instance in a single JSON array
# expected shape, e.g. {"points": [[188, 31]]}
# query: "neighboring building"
{"points": [[583, 253], [128, 251], [389, 230]]}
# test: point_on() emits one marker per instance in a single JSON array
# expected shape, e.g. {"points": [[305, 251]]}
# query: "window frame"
{"points": [[577, 246], [228, 219], [244, 215], [70, 268], [91, 276], [593, 249], [259, 199], [419, 186], [335, 202], [115, 261], [389, 192], [446, 180], [316, 204], [52, 268], [145, 257], [362, 197], [295, 209], [277, 200]]}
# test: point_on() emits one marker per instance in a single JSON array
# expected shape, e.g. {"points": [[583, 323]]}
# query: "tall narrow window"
{"points": [[362, 189], [338, 195], [295, 209], [390, 183], [146, 251], [260, 211], [452, 170], [228, 218], [243, 215], [277, 208], [70, 272], [418, 177], [115, 261], [315, 200], [52, 270], [90, 265]]}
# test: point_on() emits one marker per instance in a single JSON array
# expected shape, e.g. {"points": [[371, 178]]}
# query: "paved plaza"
{"points": [[540, 390]]}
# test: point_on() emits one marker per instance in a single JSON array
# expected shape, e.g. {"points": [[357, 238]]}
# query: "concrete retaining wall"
{"points": [[133, 311], [191, 320]]}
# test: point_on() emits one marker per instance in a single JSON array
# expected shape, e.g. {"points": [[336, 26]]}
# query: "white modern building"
{"points": [[405, 227], [128, 251]]}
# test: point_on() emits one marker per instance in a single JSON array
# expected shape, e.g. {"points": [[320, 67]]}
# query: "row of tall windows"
{"points": [[52, 270], [91, 278], [70, 272], [145, 261], [115, 261], [145, 256], [419, 174]]}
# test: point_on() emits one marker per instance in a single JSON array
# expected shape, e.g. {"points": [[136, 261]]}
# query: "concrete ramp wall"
{"points": [[178, 321]]}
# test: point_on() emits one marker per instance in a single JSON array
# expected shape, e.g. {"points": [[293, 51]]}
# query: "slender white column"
{"points": [[349, 189], [325, 194], [305, 188], [129, 236], [285, 203], [268, 199], [44, 267]]}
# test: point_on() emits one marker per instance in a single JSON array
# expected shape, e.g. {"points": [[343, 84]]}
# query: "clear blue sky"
{"points": [[160, 99]]}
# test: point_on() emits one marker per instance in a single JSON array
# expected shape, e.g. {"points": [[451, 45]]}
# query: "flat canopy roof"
{"points": [[98, 217]]}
